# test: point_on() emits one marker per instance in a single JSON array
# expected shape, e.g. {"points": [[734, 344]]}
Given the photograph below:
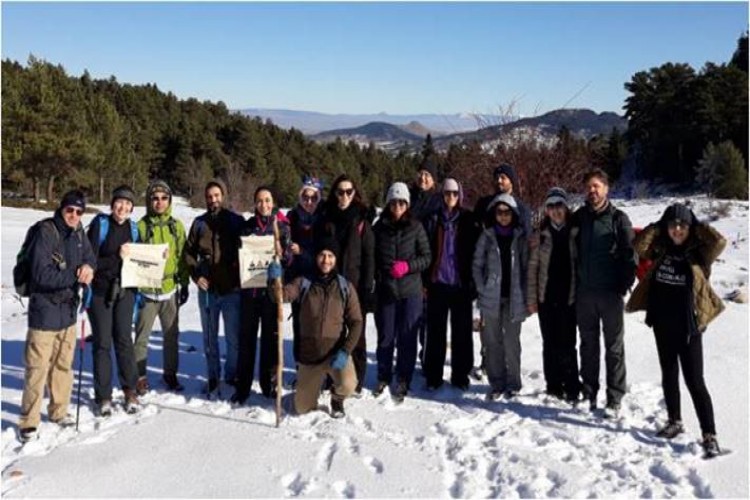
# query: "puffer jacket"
{"points": [[329, 323], [211, 250], [539, 260], [487, 272], [404, 240], [705, 245], [54, 287], [159, 229]]}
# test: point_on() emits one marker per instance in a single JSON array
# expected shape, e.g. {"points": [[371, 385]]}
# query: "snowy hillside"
{"points": [[441, 444]]}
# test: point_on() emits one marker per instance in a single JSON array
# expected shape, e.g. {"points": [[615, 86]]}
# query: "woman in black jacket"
{"points": [[347, 219], [402, 252]]}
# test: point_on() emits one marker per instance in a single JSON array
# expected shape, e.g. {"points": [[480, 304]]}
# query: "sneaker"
{"points": [[132, 405], [671, 430], [612, 410], [170, 380], [105, 408], [66, 421], [337, 407], [402, 389], [494, 395], [382, 386], [27, 434], [710, 446], [141, 386]]}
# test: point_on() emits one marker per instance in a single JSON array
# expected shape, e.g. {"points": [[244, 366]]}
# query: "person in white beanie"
{"points": [[402, 252]]}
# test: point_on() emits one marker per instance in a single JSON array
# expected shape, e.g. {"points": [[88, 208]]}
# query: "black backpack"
{"points": [[22, 269]]}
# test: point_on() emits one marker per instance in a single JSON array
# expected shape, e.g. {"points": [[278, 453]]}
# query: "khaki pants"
{"points": [[49, 361], [310, 378], [167, 311]]}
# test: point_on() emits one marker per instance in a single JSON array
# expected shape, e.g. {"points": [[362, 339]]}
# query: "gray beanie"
{"points": [[398, 191]]}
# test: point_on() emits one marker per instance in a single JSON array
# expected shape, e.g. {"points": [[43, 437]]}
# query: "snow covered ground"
{"points": [[442, 444]]}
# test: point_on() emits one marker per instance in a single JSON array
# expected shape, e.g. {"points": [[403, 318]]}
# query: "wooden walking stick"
{"points": [[279, 294]]}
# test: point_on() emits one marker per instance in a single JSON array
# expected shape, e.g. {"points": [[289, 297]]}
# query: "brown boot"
{"points": [[132, 405], [170, 380], [141, 386]]}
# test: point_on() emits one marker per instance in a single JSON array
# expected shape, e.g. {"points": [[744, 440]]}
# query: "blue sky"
{"points": [[399, 58]]}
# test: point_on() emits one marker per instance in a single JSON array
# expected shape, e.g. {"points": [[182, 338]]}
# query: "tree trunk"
{"points": [[37, 186], [101, 189], [51, 188]]}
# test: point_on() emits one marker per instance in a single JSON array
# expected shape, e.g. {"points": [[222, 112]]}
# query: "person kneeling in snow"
{"points": [[331, 323]]}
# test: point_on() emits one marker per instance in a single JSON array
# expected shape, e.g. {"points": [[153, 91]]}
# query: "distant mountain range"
{"points": [[384, 135], [310, 122]]}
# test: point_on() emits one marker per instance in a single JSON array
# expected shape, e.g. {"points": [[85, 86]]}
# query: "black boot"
{"points": [[337, 407]]}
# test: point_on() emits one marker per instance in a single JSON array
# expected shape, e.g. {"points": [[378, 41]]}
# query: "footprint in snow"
{"points": [[375, 465], [293, 483], [326, 454], [349, 444], [344, 489]]}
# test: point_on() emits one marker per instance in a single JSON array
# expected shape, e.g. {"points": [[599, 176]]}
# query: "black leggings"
{"points": [[674, 350]]}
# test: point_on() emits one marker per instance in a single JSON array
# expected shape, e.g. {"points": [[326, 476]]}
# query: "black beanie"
{"points": [[430, 167], [74, 198], [327, 243], [507, 169], [123, 192]]}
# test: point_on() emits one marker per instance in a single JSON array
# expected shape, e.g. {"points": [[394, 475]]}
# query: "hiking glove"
{"points": [[339, 360], [399, 269], [274, 271]]}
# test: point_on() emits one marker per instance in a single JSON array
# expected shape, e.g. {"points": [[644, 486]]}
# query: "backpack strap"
{"points": [[103, 228], [343, 288]]}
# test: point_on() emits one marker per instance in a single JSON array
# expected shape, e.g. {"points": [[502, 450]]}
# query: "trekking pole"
{"points": [[278, 292], [81, 345]]}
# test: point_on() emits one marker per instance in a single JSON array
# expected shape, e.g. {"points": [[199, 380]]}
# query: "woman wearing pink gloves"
{"points": [[402, 252]]}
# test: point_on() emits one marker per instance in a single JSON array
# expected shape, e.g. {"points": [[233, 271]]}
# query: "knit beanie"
{"points": [[309, 182], [157, 186], [398, 191], [678, 212], [430, 167], [74, 198], [508, 170], [327, 243], [556, 195], [123, 193]]}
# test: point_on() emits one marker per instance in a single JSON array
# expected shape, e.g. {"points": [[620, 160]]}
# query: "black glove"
{"points": [[370, 302], [184, 293]]}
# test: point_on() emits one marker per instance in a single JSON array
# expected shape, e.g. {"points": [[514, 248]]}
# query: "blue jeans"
{"points": [[228, 305]]}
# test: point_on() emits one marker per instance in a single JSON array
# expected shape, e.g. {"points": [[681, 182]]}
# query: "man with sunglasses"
{"points": [[61, 260], [159, 227], [605, 271]]}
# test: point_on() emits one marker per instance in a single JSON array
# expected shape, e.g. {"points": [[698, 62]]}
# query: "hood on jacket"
{"points": [[451, 184]]}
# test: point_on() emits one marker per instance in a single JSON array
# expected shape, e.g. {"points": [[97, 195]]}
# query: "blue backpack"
{"points": [[343, 288]]}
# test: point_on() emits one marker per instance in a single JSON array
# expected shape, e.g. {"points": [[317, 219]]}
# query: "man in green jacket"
{"points": [[159, 227]]}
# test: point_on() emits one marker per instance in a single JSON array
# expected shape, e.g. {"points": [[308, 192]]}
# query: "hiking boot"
{"points": [[402, 389], [337, 407], [710, 446], [671, 430], [66, 421], [27, 434], [493, 395], [239, 397], [132, 405], [382, 386], [612, 410], [141, 386], [105, 408], [170, 380]]}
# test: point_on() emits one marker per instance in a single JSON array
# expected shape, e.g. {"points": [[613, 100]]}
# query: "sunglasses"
{"points": [[309, 199], [160, 198], [347, 192], [451, 193], [504, 211], [72, 210]]}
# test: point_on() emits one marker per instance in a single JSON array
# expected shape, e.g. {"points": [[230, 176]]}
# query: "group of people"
{"points": [[425, 259]]}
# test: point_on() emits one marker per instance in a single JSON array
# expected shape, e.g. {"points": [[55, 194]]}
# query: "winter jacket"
{"points": [[539, 263], [424, 203], [402, 240], [487, 273], [108, 260], [302, 232], [158, 229], [328, 323], [211, 250], [465, 238], [54, 287], [356, 261], [704, 246], [606, 260]]}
